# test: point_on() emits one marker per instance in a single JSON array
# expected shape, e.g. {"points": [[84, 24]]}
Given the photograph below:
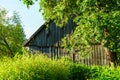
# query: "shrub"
{"points": [[39, 67]]}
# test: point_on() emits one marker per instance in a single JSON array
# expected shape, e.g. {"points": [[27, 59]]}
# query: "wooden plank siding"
{"points": [[48, 41], [97, 57]]}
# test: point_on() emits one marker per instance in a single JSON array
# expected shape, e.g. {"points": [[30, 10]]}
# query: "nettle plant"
{"points": [[97, 21]]}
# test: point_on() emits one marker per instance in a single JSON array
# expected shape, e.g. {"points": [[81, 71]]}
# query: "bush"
{"points": [[39, 67], [105, 73], [79, 72]]}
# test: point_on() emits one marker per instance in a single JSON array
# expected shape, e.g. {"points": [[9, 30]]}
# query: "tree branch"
{"points": [[7, 45]]}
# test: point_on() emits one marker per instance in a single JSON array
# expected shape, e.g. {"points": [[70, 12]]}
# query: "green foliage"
{"points": [[79, 72], [39, 67], [97, 21], [11, 33], [82, 72], [104, 73]]}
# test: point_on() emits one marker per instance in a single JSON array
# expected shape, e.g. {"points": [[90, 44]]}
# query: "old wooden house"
{"points": [[48, 39]]}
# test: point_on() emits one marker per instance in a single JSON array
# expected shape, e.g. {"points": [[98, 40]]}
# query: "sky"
{"points": [[31, 18]]}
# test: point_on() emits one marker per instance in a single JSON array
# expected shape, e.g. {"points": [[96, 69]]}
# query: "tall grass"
{"points": [[39, 67]]}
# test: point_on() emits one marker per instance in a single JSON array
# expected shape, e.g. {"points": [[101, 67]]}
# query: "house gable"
{"points": [[49, 37]]}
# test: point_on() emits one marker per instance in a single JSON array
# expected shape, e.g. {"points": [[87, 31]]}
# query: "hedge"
{"points": [[39, 67]]}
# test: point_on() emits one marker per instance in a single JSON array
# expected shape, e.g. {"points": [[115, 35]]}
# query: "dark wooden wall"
{"points": [[97, 57], [48, 41], [52, 36]]}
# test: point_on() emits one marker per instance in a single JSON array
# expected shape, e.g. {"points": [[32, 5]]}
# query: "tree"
{"points": [[97, 21], [11, 33]]}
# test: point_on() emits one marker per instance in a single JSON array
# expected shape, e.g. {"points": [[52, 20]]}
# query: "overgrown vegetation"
{"points": [[39, 67]]}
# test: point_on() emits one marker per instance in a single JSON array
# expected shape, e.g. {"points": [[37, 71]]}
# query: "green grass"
{"points": [[39, 67]]}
